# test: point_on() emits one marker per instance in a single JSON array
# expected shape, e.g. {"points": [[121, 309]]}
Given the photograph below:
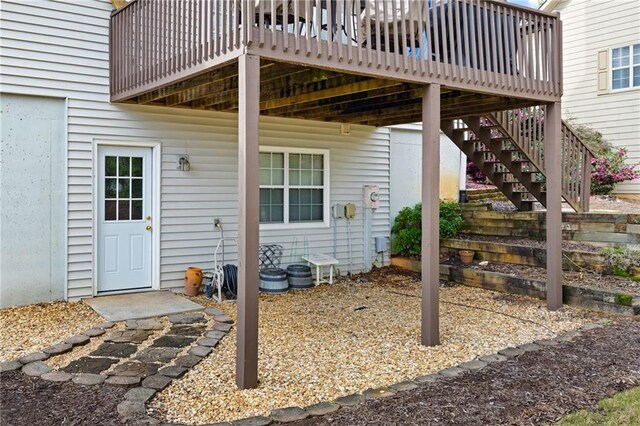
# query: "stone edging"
{"points": [[292, 414]]}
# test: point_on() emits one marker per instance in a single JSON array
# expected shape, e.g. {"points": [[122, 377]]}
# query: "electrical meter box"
{"points": [[371, 196], [338, 211], [349, 211]]}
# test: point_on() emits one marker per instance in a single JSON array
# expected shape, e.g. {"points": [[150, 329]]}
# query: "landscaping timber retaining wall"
{"points": [[600, 228], [600, 300], [523, 255]]}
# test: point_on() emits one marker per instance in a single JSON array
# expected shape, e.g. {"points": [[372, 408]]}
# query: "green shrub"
{"points": [[624, 299], [621, 259], [407, 227]]}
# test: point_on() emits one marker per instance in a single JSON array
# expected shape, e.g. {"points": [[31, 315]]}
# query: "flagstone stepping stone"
{"points": [[186, 318], [322, 408], [123, 380], [547, 342], [163, 355], [378, 393], [173, 371], [56, 376], [511, 352], [213, 311], [128, 336], [403, 386], [145, 324], [289, 414], [530, 347], [57, 349], [428, 378], [200, 351], [33, 357], [93, 332], [221, 326], [140, 394], [135, 369], [186, 330], [253, 421], [451, 372], [568, 337], [35, 369], [493, 358], [350, 400], [103, 325], [215, 334], [89, 365], [115, 350], [88, 379], [157, 382], [10, 366], [173, 341], [78, 340], [129, 409], [187, 361], [223, 318], [473, 365], [207, 341]]}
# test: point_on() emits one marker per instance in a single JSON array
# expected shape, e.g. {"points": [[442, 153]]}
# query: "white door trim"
{"points": [[156, 147]]}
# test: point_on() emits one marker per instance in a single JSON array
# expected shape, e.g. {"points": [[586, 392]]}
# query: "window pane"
{"points": [[136, 188], [620, 79], [264, 214], [305, 213], [294, 177], [123, 210], [123, 188], [110, 188], [277, 196], [277, 177], [305, 196], [294, 214], [136, 210], [271, 205], [277, 214], [318, 162], [294, 196], [265, 160], [277, 161], [110, 166], [136, 166], [305, 161], [316, 196], [636, 54], [306, 177], [636, 76], [110, 210], [294, 161], [620, 57], [316, 213], [265, 197], [123, 163], [317, 178], [265, 177]]}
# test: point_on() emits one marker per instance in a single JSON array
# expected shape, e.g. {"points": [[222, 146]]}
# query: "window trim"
{"points": [[326, 179], [629, 67]]}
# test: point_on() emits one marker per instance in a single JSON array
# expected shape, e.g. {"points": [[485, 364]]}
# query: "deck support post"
{"points": [[553, 166], [430, 215], [248, 220]]}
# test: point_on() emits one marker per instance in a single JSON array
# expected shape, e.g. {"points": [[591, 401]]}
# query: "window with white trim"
{"points": [[294, 186], [625, 67]]}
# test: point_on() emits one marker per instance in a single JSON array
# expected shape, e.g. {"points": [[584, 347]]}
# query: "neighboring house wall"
{"points": [[406, 163], [61, 49], [589, 27], [32, 199]]}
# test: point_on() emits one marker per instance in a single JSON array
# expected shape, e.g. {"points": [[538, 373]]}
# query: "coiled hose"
{"points": [[230, 279]]}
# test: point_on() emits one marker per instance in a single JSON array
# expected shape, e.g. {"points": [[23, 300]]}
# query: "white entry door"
{"points": [[124, 218]]}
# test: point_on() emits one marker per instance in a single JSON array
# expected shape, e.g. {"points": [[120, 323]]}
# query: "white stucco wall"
{"points": [[32, 199], [405, 173]]}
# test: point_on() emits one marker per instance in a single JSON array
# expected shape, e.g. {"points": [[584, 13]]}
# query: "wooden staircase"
{"points": [[508, 147]]}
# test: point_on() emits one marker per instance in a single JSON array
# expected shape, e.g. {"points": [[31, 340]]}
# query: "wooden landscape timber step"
{"points": [[482, 195], [601, 228], [573, 260]]}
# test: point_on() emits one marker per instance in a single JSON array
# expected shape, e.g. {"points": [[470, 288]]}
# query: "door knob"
{"points": [[148, 228], [148, 217]]}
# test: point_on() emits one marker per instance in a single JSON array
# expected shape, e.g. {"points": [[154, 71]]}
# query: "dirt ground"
{"points": [[566, 245], [537, 388]]}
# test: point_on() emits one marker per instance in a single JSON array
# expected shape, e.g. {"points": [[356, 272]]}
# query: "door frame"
{"points": [[156, 158]]}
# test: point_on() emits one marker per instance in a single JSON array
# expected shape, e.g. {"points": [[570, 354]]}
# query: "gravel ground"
{"points": [[33, 401], [537, 388], [331, 341], [566, 245], [30, 328], [588, 279], [613, 204]]}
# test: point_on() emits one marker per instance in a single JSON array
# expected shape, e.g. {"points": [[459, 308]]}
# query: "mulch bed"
{"points": [[566, 245], [33, 401], [536, 388]]}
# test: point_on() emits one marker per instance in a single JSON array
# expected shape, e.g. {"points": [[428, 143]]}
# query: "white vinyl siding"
{"points": [[60, 48], [591, 28]]}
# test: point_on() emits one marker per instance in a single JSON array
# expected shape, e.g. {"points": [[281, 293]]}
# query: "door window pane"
{"points": [[110, 210], [110, 166], [123, 188], [123, 209], [123, 166], [136, 166], [110, 188], [136, 209], [136, 188]]}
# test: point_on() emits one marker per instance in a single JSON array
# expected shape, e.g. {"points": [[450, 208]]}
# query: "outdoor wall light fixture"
{"points": [[183, 163]]}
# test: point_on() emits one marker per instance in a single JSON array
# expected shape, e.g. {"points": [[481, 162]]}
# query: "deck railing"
{"points": [[484, 44]]}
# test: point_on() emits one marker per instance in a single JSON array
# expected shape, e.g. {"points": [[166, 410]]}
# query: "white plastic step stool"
{"points": [[320, 261]]}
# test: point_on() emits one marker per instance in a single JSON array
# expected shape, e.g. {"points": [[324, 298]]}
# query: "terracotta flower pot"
{"points": [[466, 256], [192, 281]]}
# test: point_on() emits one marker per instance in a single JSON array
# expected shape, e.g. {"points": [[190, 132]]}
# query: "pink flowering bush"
{"points": [[475, 174], [609, 169]]}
